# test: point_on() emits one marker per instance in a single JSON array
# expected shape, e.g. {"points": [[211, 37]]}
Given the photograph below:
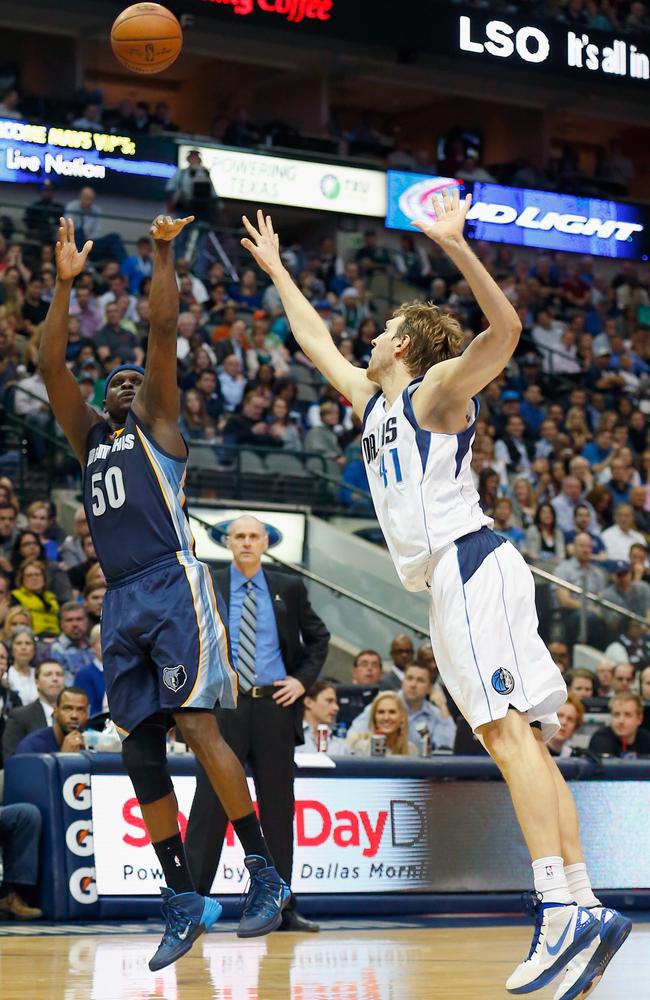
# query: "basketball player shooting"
{"points": [[164, 645], [417, 400]]}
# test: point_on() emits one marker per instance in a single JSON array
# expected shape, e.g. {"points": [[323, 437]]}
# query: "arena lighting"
{"points": [[294, 11]]}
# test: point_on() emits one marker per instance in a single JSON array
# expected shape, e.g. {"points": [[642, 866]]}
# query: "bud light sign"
{"points": [[520, 216]]}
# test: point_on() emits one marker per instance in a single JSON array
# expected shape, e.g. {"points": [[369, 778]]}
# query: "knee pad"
{"points": [[144, 754]]}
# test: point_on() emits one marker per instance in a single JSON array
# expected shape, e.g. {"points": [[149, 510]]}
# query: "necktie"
{"points": [[247, 639]]}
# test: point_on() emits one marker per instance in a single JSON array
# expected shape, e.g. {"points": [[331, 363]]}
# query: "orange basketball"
{"points": [[146, 37]]}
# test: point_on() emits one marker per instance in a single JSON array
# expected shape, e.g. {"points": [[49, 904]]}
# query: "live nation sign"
{"points": [[553, 45]]}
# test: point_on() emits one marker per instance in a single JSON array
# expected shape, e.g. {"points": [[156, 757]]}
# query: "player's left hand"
{"points": [[450, 216], [165, 228], [264, 243], [289, 690]]}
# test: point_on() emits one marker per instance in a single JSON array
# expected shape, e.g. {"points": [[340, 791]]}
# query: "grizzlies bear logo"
{"points": [[502, 681], [174, 677]]}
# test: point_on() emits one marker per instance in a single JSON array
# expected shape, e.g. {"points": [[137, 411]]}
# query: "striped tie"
{"points": [[247, 640]]}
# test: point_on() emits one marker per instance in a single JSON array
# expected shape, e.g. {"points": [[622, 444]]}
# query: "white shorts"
{"points": [[484, 635]]}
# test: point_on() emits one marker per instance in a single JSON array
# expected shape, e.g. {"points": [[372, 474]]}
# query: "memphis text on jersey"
{"points": [[125, 442]]}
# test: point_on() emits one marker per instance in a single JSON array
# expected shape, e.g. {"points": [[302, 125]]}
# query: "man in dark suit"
{"points": [[279, 645], [23, 721], [401, 654]]}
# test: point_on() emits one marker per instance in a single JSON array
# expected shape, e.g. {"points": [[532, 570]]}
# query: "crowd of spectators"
{"points": [[631, 16], [561, 461], [403, 700]]}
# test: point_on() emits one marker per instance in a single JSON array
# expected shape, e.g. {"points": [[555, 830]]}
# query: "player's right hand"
{"points": [[264, 244], [69, 261]]}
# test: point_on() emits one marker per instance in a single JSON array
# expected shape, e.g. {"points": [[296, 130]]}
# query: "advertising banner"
{"points": [[31, 153], [286, 532], [473, 35], [351, 835], [521, 216], [274, 180], [382, 835]]}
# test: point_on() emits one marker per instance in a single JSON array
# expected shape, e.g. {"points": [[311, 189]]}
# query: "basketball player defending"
{"points": [[417, 401], [164, 644]]}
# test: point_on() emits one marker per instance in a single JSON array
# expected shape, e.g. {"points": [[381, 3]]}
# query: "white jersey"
{"points": [[421, 484]]}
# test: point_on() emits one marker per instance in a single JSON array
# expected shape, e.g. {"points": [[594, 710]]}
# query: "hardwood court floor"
{"points": [[469, 963]]}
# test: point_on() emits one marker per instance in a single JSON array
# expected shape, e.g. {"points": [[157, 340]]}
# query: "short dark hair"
{"points": [[366, 652], [421, 666], [318, 687], [43, 663], [73, 689], [71, 606]]}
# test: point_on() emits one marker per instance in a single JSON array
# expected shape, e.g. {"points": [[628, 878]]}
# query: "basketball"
{"points": [[146, 38]]}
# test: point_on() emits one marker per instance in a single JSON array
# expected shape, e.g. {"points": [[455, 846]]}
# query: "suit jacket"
{"points": [[389, 681], [20, 723], [303, 636]]}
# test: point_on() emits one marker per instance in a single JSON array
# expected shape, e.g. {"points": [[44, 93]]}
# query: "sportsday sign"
{"points": [[521, 216], [350, 835]]}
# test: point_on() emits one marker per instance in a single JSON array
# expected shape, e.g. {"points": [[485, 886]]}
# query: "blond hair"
{"points": [[435, 335], [401, 745]]}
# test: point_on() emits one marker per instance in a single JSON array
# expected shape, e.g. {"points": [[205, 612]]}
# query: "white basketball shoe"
{"points": [[561, 932], [587, 968]]}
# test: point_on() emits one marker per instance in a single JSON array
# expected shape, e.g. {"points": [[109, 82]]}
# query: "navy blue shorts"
{"points": [[164, 643]]}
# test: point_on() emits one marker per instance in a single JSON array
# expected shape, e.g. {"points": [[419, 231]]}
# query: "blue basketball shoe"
{"points": [[561, 931], [187, 915], [267, 896], [587, 969]]}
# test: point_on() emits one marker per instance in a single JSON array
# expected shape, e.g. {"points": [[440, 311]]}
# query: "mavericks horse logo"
{"points": [[174, 677], [502, 681]]}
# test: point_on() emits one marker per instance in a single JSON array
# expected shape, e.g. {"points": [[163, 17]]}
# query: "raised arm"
{"points": [[454, 381], [306, 325], [72, 413], [157, 400]]}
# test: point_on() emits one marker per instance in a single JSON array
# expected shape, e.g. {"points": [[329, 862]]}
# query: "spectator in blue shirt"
{"points": [[72, 648], [531, 410], [582, 522], [139, 266], [65, 735], [598, 451], [91, 677], [503, 523]]}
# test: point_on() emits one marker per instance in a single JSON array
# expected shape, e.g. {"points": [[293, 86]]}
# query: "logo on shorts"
{"points": [[174, 677], [502, 681]]}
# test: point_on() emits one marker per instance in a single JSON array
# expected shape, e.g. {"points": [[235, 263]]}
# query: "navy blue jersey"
{"points": [[134, 500]]}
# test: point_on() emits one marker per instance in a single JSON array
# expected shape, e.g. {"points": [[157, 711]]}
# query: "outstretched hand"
{"points": [[450, 216], [264, 243], [164, 228], [69, 261]]}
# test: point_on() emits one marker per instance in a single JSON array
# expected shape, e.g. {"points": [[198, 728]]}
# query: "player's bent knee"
{"points": [[145, 759], [506, 738], [197, 726]]}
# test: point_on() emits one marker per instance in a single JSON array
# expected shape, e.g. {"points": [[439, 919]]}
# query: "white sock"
{"points": [[550, 881], [580, 885]]}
